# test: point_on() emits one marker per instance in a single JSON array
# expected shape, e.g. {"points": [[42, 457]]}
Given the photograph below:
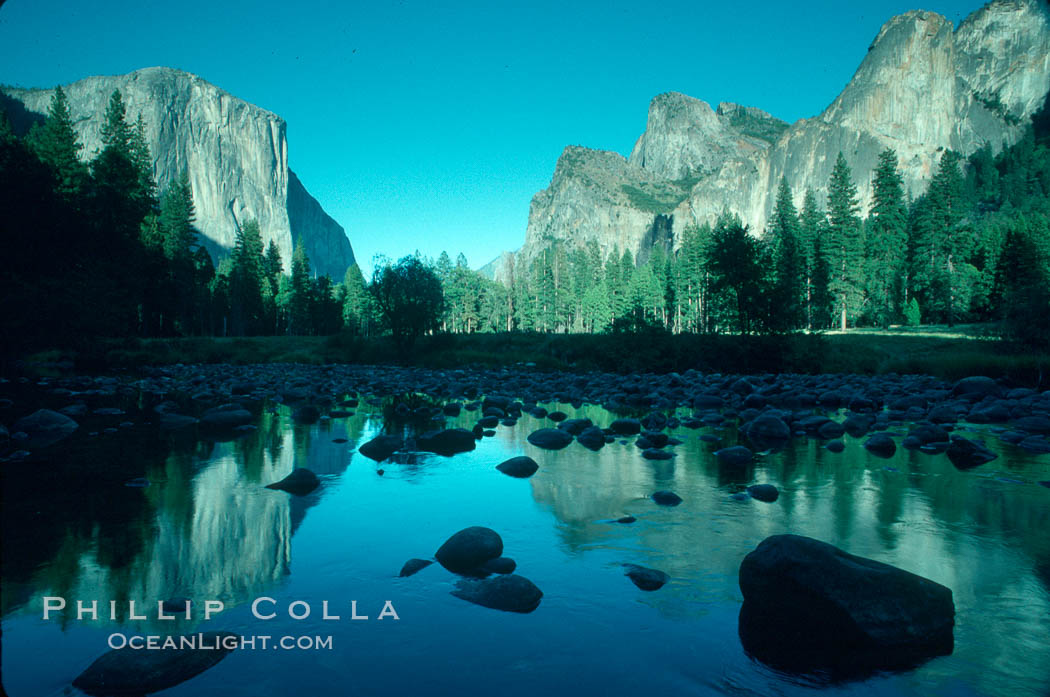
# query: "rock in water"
{"points": [[645, 578], [469, 548], [499, 565], [510, 593], [626, 427], [764, 492], [381, 447], [414, 566], [965, 454], [45, 427], [881, 444], [550, 438], [736, 456], [808, 605], [300, 482], [306, 415], [666, 498], [521, 467], [447, 442], [592, 438], [127, 672]]}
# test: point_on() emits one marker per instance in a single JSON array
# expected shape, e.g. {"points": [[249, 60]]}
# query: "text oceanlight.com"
{"points": [[206, 642]]}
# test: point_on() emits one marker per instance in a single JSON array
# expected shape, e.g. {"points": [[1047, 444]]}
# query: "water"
{"points": [[207, 528]]}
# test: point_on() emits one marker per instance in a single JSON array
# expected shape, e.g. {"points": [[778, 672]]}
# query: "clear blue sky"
{"points": [[420, 125]]}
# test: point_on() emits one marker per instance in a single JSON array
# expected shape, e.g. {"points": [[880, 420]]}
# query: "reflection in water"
{"points": [[208, 529]]}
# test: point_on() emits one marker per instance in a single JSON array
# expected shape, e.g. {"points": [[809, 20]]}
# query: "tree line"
{"points": [[93, 249]]}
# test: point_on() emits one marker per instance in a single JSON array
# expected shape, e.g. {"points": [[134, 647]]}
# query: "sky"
{"points": [[429, 126]]}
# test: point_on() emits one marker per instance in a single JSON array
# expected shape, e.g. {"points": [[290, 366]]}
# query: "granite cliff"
{"points": [[236, 155], [923, 87]]}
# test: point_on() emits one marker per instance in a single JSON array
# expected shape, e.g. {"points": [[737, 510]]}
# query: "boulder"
{"points": [[592, 438], [125, 672], [835, 446], [768, 427], [499, 565], [657, 454], [550, 438], [44, 427], [575, 426], [645, 578], [510, 593], [521, 467], [170, 421], [469, 548], [300, 482], [966, 454], [447, 442], [1031, 424], [381, 447], [976, 388], [831, 429], [810, 603]]}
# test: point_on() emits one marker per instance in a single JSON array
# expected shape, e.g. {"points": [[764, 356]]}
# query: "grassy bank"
{"points": [[938, 351]]}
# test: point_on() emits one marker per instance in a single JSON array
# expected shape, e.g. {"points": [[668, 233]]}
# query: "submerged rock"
{"points": [[381, 447], [499, 565], [127, 672], [657, 454], [521, 467], [645, 578], [469, 548], [736, 456], [666, 498], [228, 416], [300, 482], [45, 427], [881, 444], [414, 566], [550, 438], [510, 593], [808, 604], [592, 438], [626, 427], [306, 415]]}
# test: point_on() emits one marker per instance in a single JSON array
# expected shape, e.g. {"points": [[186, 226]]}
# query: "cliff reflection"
{"points": [[206, 528]]}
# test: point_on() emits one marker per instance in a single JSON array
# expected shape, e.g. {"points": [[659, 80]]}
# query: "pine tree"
{"points": [[886, 242], [789, 262], [845, 244], [299, 292], [246, 281], [812, 225], [357, 303], [57, 145]]}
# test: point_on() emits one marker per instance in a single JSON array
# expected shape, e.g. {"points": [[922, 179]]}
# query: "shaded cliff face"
{"points": [[922, 88], [236, 155]]}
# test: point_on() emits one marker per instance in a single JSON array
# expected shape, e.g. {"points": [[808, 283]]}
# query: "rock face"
{"points": [[922, 88], [807, 601], [236, 155]]}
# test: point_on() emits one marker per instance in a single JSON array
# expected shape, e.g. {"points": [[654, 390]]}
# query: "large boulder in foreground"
{"points": [[809, 605], [128, 672], [510, 593], [469, 548]]}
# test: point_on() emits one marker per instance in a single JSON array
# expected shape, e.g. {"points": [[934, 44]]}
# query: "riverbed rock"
{"points": [[768, 427], [645, 578], [469, 548], [831, 429], [806, 601], [414, 566], [976, 388], [44, 427], [509, 593], [127, 672], [499, 565], [657, 454], [521, 467], [735, 456], [592, 438], [300, 482], [381, 447], [881, 445], [967, 454], [764, 492], [575, 426], [835, 446], [550, 438], [447, 442], [666, 498], [626, 427], [226, 417]]}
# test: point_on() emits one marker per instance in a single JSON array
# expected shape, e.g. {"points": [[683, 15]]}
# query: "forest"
{"points": [[93, 249]]}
